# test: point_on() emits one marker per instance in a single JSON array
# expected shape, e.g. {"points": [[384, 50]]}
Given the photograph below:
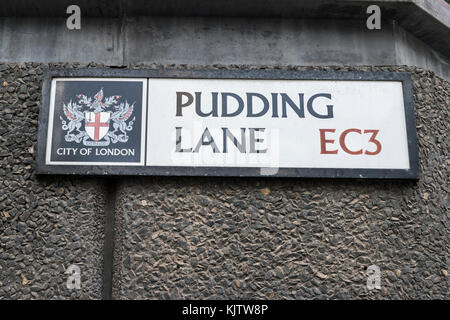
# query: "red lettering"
{"points": [[342, 141], [324, 141], [373, 140]]}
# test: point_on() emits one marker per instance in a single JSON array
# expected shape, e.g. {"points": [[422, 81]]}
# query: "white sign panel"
{"points": [[276, 123]]}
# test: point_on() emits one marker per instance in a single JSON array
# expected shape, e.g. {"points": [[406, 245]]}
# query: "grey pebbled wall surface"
{"points": [[223, 238], [46, 223], [229, 238]]}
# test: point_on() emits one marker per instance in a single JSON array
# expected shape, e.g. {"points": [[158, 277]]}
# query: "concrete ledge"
{"points": [[428, 20], [227, 41]]}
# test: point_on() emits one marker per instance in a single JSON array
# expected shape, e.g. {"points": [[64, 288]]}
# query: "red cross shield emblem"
{"points": [[97, 124]]}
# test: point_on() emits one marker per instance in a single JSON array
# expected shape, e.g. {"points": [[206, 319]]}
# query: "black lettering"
{"points": [[329, 107], [180, 103], [198, 105], [209, 142], [250, 113], [225, 113], [178, 142], [253, 140], [229, 135], [299, 110]]}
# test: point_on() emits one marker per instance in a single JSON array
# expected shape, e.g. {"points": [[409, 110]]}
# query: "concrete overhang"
{"points": [[428, 20]]}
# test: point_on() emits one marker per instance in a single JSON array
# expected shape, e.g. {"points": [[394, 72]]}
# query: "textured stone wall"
{"points": [[216, 238], [223, 237], [46, 223]]}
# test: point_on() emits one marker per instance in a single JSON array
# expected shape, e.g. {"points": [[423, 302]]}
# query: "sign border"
{"points": [[259, 74]]}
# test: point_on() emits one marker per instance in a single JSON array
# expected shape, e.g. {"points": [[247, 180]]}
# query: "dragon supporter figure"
{"points": [[89, 120]]}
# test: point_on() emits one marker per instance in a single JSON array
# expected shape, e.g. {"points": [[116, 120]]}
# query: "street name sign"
{"points": [[227, 123]]}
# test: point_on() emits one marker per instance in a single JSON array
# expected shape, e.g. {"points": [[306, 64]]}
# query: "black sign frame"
{"points": [[405, 77]]}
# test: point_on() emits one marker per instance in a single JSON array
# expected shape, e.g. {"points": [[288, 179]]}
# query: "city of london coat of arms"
{"points": [[99, 121]]}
